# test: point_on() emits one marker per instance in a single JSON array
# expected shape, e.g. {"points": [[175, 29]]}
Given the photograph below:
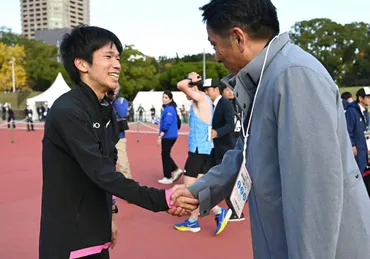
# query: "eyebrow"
{"points": [[111, 52]]}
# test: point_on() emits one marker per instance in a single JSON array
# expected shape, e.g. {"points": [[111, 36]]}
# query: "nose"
{"points": [[218, 57], [117, 64]]}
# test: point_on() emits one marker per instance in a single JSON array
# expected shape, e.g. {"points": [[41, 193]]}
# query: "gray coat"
{"points": [[308, 200]]}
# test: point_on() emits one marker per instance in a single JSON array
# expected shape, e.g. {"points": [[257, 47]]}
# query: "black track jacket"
{"points": [[79, 176]]}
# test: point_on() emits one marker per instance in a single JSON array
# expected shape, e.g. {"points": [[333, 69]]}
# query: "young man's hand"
{"points": [[114, 231]]}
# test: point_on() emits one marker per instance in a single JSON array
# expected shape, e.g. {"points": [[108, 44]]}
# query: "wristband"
{"points": [[168, 194]]}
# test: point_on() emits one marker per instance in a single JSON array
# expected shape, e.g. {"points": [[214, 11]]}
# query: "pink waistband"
{"points": [[88, 251]]}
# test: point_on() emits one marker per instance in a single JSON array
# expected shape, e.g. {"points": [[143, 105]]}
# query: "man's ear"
{"points": [[81, 65], [238, 38]]}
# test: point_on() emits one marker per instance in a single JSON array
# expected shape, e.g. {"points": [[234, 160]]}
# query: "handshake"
{"points": [[182, 200]]}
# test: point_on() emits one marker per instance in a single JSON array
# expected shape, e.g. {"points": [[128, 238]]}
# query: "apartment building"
{"points": [[38, 15]]}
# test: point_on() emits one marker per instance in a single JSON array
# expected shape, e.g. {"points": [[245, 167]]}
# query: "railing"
{"points": [[147, 117]]}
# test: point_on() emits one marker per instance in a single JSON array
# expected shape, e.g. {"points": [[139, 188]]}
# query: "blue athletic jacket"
{"points": [[168, 123]]}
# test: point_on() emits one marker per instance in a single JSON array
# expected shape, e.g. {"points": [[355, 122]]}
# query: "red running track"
{"points": [[142, 234]]}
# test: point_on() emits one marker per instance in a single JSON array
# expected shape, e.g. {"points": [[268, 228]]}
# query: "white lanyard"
{"points": [[246, 133]]}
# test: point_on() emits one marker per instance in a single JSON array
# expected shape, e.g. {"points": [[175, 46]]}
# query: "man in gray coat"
{"points": [[308, 200]]}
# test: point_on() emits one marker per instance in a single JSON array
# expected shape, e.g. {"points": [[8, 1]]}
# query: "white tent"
{"points": [[147, 99], [58, 88]]}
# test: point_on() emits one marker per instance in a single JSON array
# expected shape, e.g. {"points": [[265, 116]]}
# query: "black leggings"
{"points": [[167, 162]]}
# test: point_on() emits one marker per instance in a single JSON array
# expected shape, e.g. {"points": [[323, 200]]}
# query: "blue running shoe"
{"points": [[188, 226], [222, 219]]}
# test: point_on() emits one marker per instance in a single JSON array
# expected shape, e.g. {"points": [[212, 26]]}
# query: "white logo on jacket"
{"points": [[96, 125]]}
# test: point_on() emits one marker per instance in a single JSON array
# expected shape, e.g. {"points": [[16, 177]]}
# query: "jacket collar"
{"points": [[102, 108], [90, 94], [245, 82]]}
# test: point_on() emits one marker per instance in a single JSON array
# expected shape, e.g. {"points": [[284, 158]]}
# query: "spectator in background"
{"points": [[183, 114], [229, 94], [45, 111], [39, 112], [120, 107], [3, 109], [346, 99], [140, 110], [11, 119], [152, 112], [28, 113], [357, 118], [168, 133], [131, 113]]}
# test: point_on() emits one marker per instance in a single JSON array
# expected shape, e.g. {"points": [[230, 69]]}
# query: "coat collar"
{"points": [[245, 82], [102, 108], [91, 96]]}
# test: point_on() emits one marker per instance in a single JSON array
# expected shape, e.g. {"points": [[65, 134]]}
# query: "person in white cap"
{"points": [[357, 118]]}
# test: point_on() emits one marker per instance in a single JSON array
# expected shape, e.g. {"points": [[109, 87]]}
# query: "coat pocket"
{"points": [[352, 178]]}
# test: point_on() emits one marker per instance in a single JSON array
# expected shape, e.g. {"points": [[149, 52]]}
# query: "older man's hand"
{"points": [[183, 200]]}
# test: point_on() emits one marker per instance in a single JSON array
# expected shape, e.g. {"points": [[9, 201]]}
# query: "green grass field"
{"points": [[352, 90], [17, 100]]}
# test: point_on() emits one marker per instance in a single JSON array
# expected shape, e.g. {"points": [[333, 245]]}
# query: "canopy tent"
{"points": [[58, 88], [147, 99]]}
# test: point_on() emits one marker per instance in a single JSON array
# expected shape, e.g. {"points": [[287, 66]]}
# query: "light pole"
{"points": [[58, 51], [204, 64], [12, 61]]}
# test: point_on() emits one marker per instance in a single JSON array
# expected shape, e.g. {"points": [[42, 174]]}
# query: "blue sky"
{"points": [[167, 27]]}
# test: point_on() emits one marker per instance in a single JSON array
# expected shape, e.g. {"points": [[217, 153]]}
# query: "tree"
{"points": [[340, 48], [7, 53], [324, 39], [40, 62], [138, 72], [176, 72], [358, 54]]}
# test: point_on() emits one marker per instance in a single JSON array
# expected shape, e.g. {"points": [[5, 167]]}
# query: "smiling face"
{"points": [[103, 73]]}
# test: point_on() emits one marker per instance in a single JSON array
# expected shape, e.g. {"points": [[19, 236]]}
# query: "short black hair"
{"points": [[82, 42], [258, 18], [346, 95]]}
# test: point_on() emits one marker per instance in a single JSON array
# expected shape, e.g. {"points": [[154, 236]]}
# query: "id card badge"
{"points": [[241, 190]]}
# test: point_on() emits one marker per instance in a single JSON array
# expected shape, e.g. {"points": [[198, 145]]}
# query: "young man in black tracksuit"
{"points": [[79, 156]]}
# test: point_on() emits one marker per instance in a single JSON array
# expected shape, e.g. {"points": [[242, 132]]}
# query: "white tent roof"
{"points": [[58, 88]]}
